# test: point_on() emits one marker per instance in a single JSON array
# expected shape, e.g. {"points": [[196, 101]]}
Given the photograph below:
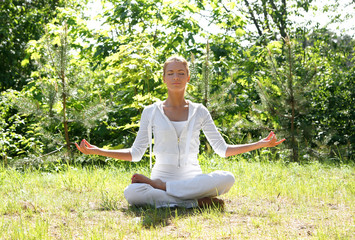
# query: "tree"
{"points": [[119, 72], [20, 22], [332, 102], [64, 95], [285, 96], [16, 130], [271, 18]]}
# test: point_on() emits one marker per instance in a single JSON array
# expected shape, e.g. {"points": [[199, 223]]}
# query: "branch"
{"points": [[47, 154], [253, 18], [278, 17], [274, 66], [225, 8], [50, 54], [266, 15]]}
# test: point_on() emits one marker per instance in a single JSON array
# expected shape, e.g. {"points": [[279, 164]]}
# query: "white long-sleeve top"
{"points": [[168, 147]]}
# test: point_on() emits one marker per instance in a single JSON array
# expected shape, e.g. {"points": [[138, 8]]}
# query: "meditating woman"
{"points": [[176, 178]]}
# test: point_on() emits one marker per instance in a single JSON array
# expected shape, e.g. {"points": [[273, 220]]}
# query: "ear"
{"points": [[188, 79]]}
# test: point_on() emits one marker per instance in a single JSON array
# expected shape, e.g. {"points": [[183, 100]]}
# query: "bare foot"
{"points": [[210, 202], [156, 183]]}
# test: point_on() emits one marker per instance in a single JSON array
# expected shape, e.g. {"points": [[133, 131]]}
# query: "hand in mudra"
{"points": [[271, 140], [85, 147]]}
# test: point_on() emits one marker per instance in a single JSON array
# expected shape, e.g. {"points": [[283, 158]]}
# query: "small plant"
{"points": [[284, 95], [109, 201], [62, 97]]}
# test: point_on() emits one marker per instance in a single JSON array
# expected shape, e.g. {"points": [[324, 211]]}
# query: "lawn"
{"points": [[270, 200]]}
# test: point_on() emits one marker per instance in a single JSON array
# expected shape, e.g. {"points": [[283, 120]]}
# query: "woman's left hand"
{"points": [[271, 140]]}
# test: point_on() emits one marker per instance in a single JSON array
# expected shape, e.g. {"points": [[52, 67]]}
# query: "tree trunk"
{"points": [[292, 101], [65, 121], [206, 77], [255, 21], [63, 55]]}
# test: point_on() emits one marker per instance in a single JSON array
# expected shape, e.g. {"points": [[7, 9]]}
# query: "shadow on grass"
{"points": [[149, 216]]}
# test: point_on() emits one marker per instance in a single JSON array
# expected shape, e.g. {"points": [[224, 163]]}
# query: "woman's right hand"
{"points": [[86, 148]]}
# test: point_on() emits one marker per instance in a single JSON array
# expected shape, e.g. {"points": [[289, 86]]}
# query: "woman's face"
{"points": [[176, 76]]}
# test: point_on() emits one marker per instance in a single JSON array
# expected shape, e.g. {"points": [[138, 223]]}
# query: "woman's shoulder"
{"points": [[194, 104], [150, 108], [199, 107], [149, 111]]}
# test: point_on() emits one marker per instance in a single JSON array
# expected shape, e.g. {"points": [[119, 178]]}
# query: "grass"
{"points": [[270, 200]]}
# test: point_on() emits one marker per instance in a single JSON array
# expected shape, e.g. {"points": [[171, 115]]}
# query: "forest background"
{"points": [[254, 65]]}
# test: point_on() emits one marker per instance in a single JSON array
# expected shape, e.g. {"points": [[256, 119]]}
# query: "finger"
{"points": [[274, 138], [79, 148], [280, 141], [269, 136], [82, 144], [87, 143]]}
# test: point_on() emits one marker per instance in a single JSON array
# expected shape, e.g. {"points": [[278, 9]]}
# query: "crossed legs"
{"points": [[198, 191]]}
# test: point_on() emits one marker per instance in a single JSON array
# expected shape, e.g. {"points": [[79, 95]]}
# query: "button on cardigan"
{"points": [[168, 147]]}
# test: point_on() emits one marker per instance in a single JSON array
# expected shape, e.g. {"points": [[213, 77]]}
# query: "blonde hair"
{"points": [[176, 59]]}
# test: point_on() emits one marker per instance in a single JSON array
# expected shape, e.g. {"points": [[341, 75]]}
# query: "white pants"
{"points": [[184, 193]]}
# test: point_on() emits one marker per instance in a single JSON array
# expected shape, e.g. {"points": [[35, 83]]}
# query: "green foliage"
{"points": [[111, 74], [21, 21], [131, 81], [17, 134], [58, 98], [167, 24], [218, 92], [285, 93], [332, 102], [272, 18], [311, 88]]}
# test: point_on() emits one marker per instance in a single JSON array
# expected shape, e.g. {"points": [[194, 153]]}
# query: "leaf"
{"points": [[24, 62], [36, 56], [240, 32]]}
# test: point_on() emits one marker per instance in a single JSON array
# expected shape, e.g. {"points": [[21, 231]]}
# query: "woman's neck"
{"points": [[175, 100]]}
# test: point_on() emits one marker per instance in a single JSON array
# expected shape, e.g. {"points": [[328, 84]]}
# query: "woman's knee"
{"points": [[226, 177], [227, 182], [230, 179], [129, 193], [140, 194], [133, 193]]}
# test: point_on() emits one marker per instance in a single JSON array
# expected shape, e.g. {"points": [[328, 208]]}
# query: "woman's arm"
{"points": [[86, 148], [133, 154], [269, 141]]}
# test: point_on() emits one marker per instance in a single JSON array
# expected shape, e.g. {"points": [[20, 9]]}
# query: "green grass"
{"points": [[270, 200]]}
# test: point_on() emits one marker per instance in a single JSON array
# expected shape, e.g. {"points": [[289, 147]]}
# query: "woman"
{"points": [[176, 178]]}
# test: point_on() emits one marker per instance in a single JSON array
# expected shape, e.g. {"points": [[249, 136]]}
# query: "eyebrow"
{"points": [[177, 70]]}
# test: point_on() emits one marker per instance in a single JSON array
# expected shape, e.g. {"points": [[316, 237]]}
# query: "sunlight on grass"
{"points": [[270, 200]]}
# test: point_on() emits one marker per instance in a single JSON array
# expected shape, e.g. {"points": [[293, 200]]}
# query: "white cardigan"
{"points": [[168, 148]]}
